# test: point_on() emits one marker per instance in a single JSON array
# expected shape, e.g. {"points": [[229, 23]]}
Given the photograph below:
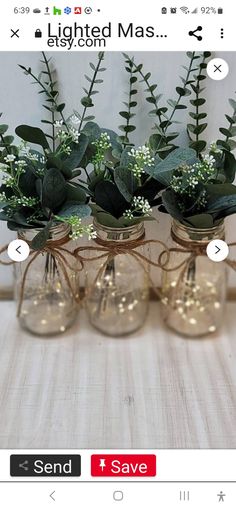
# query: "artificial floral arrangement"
{"points": [[199, 192], [83, 169], [193, 184], [126, 183], [39, 188], [39, 194]]}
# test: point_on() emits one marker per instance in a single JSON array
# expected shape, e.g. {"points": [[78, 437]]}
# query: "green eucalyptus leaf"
{"points": [[197, 102], [114, 140], [33, 135], [169, 202], [229, 166], [125, 182], [60, 107], [109, 198], [201, 221], [87, 102], [226, 132], [54, 162], [126, 160], [92, 131], [198, 146], [163, 170], [75, 209], [108, 220], [27, 183], [75, 194], [128, 129], [54, 189], [220, 203], [77, 153], [3, 129], [40, 240], [223, 189]]}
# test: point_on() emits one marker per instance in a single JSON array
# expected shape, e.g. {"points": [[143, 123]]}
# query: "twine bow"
{"points": [[56, 249], [193, 249], [108, 250]]}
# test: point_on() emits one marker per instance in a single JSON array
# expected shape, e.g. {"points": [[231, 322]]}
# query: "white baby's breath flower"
{"points": [[3, 167], [208, 158], [128, 214], [143, 158], [58, 124], [214, 148], [74, 119], [74, 134], [10, 158]]}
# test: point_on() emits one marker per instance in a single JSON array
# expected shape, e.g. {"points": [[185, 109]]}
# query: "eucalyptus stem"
{"points": [[52, 89], [197, 96], [145, 78], [184, 86], [100, 59], [231, 124], [169, 121], [126, 139], [44, 89], [196, 130]]}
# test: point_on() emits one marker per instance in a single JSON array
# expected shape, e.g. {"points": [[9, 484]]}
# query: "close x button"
{"points": [[123, 465], [45, 465]]}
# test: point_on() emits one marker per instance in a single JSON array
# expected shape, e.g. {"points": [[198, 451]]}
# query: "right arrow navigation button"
{"points": [[217, 250]]}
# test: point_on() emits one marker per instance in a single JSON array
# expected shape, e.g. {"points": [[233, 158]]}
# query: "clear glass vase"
{"points": [[117, 288], [47, 298], [194, 295]]}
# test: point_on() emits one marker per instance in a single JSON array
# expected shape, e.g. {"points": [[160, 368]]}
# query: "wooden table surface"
{"points": [[150, 390]]}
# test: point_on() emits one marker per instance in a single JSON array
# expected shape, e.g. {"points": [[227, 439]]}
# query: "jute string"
{"points": [[107, 250], [56, 249]]}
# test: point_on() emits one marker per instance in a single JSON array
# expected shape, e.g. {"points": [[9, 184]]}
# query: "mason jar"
{"points": [[47, 286], [117, 285], [194, 294]]}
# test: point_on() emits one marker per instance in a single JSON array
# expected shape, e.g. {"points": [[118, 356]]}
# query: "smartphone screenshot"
{"points": [[117, 255]]}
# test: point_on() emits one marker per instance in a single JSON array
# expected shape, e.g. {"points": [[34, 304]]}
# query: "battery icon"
{"points": [[220, 10]]}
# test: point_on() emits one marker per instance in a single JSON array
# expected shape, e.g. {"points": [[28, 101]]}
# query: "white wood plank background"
{"points": [[150, 390]]}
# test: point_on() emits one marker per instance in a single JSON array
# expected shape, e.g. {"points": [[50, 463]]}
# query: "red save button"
{"points": [[123, 465]]}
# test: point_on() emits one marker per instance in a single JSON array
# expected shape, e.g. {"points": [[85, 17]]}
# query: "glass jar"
{"points": [[117, 287], [194, 295], [48, 299]]}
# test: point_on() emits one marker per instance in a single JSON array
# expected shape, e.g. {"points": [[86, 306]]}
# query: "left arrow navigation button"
{"points": [[18, 250]]}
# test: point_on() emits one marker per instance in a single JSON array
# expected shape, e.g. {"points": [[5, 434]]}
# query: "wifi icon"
{"points": [[185, 10]]}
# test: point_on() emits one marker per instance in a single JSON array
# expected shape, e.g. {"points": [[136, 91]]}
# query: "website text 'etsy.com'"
{"points": [[94, 36]]}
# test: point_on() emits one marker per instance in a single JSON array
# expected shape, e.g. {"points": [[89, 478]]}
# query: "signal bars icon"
{"points": [[185, 10]]}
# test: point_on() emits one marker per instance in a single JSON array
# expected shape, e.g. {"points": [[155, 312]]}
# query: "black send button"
{"points": [[45, 465]]}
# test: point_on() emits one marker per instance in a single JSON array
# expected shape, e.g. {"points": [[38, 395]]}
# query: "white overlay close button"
{"points": [[217, 250], [18, 250], [217, 69]]}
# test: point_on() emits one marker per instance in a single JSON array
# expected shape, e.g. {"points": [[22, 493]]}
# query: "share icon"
{"points": [[193, 33]]}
